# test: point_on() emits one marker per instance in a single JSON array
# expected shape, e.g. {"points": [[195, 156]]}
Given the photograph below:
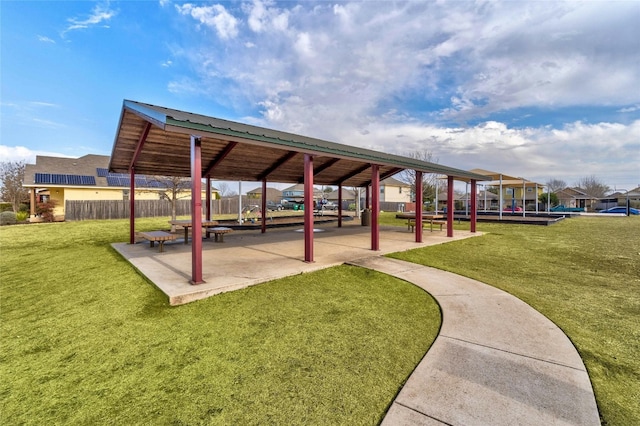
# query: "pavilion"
{"points": [[155, 140]]}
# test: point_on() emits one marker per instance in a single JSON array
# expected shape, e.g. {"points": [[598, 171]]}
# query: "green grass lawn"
{"points": [[86, 340], [584, 275]]}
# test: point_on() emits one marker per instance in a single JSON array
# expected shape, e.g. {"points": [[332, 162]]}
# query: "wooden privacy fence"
{"points": [[119, 209]]}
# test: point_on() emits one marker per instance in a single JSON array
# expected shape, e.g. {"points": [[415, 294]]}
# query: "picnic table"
{"points": [[219, 231], [186, 224], [427, 218], [157, 237]]}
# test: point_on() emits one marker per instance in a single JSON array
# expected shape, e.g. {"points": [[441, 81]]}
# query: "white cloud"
{"points": [[45, 39], [264, 17], [630, 109], [365, 73], [21, 153], [216, 16], [100, 14]]}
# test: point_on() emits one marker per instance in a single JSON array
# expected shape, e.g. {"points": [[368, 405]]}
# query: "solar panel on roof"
{"points": [[102, 172], [59, 179], [73, 179], [87, 180], [43, 177]]}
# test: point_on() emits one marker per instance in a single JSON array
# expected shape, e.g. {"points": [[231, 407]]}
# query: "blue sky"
{"points": [[543, 90]]}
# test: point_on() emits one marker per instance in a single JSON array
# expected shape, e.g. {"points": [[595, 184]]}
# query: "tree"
{"points": [[172, 188], [556, 185], [428, 179], [592, 186], [554, 199], [225, 190], [12, 176]]}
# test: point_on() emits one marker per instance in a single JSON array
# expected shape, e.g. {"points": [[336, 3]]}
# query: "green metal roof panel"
{"points": [[163, 117]]}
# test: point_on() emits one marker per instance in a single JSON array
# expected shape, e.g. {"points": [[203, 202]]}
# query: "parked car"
{"points": [[329, 206], [274, 206], [509, 209], [561, 208], [621, 209]]}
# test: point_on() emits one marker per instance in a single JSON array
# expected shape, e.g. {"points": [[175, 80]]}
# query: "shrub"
{"points": [[7, 218], [45, 210], [23, 208], [6, 207], [22, 216]]}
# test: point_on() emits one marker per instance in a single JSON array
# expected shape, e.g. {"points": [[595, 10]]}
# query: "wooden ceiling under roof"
{"points": [[157, 141]]}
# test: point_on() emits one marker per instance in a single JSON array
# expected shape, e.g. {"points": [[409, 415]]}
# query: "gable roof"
{"points": [[576, 193], [157, 140], [390, 181], [54, 171], [90, 170]]}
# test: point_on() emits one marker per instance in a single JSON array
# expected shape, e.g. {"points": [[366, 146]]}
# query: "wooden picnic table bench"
{"points": [[219, 231], [411, 223], [187, 223], [157, 236]]}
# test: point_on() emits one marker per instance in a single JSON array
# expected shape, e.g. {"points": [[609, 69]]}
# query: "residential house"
{"points": [[392, 190], [295, 193], [576, 197], [273, 194], [87, 178]]}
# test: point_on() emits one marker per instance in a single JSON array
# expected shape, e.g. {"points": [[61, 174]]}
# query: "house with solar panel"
{"points": [[87, 178]]}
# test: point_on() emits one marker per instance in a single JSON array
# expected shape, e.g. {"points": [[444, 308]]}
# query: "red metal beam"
{"points": [[352, 174], [227, 150], [474, 206], [325, 166], [375, 207], [340, 206], [132, 205], [208, 198], [418, 207], [141, 141], [196, 210], [282, 160], [308, 208], [450, 206], [264, 206]]}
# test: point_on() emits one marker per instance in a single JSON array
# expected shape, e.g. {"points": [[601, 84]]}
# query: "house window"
{"points": [[509, 191], [529, 189], [399, 190]]}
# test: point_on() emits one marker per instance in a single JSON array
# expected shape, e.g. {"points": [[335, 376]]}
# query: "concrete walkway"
{"points": [[496, 361]]}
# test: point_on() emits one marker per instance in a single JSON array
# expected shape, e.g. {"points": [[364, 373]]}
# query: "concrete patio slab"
{"points": [[249, 257]]}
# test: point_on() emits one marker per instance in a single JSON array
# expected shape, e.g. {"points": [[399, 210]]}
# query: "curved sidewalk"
{"points": [[496, 360]]}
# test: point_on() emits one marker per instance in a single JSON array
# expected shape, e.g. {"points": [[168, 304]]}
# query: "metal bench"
{"points": [[157, 236]]}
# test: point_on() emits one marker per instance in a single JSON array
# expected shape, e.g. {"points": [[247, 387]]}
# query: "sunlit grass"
{"points": [[86, 340], [583, 274]]}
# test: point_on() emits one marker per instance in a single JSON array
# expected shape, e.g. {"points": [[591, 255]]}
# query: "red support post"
{"points": [[196, 210], [340, 206], [308, 208], [450, 205], [367, 200], [418, 207], [375, 207], [132, 205], [474, 206], [208, 198], [263, 207]]}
